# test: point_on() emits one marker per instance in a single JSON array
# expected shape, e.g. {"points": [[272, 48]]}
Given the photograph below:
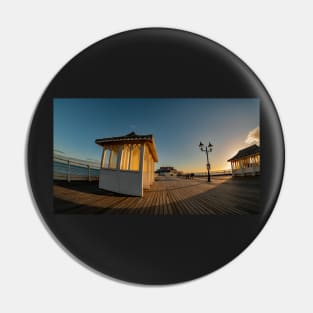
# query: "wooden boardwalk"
{"points": [[168, 196]]}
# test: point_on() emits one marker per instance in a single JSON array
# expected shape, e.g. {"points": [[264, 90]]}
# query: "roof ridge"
{"points": [[253, 149], [254, 145], [130, 136]]}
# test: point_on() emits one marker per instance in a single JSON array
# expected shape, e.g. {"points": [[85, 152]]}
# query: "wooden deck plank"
{"points": [[167, 196]]}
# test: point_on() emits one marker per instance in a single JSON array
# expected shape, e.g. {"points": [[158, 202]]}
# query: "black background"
{"points": [[154, 63]]}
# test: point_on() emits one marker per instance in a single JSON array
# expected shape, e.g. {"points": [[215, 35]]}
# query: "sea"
{"points": [[60, 168]]}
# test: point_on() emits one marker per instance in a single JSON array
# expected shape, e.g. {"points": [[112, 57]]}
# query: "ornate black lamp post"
{"points": [[207, 149]]}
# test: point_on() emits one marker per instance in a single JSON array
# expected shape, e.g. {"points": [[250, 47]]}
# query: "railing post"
{"points": [[66, 174], [68, 171]]}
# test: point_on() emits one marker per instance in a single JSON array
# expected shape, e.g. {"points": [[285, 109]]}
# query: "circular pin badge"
{"points": [[155, 156]]}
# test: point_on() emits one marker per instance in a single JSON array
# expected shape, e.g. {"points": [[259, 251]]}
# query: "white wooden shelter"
{"points": [[246, 161], [127, 165]]}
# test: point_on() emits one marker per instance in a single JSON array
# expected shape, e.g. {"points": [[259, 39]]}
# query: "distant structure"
{"points": [[127, 164], [166, 171], [246, 161]]}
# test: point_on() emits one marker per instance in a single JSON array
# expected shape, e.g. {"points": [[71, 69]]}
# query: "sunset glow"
{"points": [[178, 125]]}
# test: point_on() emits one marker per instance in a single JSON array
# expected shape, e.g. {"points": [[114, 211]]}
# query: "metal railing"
{"points": [[213, 173], [71, 170]]}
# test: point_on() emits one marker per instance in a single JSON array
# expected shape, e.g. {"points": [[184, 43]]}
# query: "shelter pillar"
{"points": [[103, 156], [150, 170], [141, 160], [119, 157]]}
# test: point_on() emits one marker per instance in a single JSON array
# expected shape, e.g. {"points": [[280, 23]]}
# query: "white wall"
{"points": [[253, 170], [125, 182]]}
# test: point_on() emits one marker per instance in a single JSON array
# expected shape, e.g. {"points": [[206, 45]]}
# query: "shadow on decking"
{"points": [[69, 207], [86, 187]]}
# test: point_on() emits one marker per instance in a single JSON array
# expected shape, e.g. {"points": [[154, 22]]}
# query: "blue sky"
{"points": [[178, 125]]}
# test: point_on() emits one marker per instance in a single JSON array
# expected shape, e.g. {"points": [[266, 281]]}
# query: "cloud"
{"points": [[253, 136]]}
